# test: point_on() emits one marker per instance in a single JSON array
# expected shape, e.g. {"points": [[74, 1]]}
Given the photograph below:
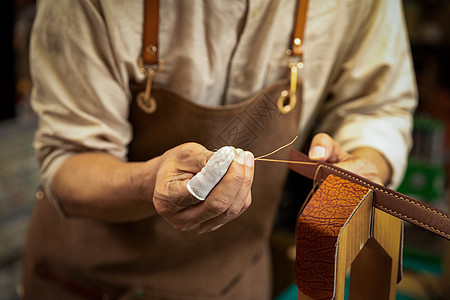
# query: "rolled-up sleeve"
{"points": [[372, 100], [80, 92]]}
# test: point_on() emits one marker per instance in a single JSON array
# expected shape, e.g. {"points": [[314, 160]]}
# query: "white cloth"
{"points": [[358, 76]]}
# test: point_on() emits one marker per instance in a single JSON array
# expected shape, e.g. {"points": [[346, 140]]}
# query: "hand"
{"points": [[366, 162], [228, 200]]}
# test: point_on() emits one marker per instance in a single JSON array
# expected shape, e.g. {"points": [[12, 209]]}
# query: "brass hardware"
{"points": [[151, 49], [39, 195], [288, 99], [144, 99], [283, 102], [148, 105]]}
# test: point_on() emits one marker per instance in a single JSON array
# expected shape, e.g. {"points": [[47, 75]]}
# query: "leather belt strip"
{"points": [[392, 202]]}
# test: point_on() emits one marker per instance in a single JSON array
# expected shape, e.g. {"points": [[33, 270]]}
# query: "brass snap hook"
{"points": [[147, 104], [287, 100]]}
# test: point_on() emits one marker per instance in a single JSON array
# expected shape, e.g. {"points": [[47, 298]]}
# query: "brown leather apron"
{"points": [[72, 258]]}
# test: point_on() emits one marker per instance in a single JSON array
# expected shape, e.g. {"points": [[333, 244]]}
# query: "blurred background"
{"points": [[426, 257]]}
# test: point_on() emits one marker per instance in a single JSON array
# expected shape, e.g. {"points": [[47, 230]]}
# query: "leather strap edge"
{"points": [[392, 202]]}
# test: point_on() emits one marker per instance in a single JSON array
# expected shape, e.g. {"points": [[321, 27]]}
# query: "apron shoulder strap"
{"points": [[151, 20], [300, 21]]}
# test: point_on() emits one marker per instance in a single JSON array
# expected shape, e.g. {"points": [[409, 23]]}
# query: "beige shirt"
{"points": [[358, 78]]}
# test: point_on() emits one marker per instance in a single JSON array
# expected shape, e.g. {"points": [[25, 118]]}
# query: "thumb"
{"points": [[324, 148], [203, 182]]}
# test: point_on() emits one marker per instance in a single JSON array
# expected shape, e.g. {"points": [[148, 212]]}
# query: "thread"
{"points": [[262, 157], [276, 150]]}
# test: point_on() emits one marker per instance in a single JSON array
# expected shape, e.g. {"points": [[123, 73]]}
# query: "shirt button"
{"points": [[240, 79]]}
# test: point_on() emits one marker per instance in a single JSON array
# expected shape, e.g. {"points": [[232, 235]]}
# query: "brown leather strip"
{"points": [[151, 20], [300, 20], [392, 202]]}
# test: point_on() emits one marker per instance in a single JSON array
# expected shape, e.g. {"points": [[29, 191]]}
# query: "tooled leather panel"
{"points": [[318, 228]]}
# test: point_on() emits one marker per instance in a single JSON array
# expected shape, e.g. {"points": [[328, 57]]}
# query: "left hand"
{"points": [[366, 162], [228, 200]]}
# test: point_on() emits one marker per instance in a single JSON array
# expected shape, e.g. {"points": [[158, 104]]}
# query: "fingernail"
{"points": [[249, 160], [317, 152], [240, 156]]}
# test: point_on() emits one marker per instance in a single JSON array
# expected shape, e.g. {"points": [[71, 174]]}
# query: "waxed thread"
{"points": [[263, 158], [276, 150]]}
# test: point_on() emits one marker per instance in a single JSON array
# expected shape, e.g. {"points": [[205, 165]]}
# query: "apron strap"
{"points": [[151, 19], [151, 64], [300, 20]]}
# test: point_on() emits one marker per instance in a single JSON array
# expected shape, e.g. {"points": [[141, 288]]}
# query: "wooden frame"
{"points": [[367, 242]]}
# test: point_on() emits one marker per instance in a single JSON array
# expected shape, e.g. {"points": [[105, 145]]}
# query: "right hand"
{"points": [[228, 200]]}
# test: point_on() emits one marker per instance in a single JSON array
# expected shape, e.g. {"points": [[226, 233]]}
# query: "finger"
{"points": [[193, 157], [190, 199], [207, 155], [248, 202], [244, 192], [240, 181], [363, 168], [176, 167], [176, 191], [243, 198], [325, 148], [203, 182], [221, 220], [218, 201], [190, 218]]}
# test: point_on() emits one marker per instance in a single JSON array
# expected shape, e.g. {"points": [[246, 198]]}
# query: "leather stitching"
{"points": [[412, 219], [378, 189]]}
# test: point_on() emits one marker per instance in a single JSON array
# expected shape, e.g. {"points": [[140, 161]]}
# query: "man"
{"points": [[115, 218]]}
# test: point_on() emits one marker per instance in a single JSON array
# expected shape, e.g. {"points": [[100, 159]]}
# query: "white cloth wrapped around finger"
{"points": [[203, 182]]}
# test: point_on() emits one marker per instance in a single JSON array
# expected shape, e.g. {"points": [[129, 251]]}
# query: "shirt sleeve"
{"points": [[80, 91], [372, 99]]}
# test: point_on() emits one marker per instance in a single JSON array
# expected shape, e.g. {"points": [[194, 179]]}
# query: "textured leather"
{"points": [[317, 231], [392, 202]]}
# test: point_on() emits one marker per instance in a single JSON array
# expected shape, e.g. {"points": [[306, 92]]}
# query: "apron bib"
{"points": [[149, 257]]}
